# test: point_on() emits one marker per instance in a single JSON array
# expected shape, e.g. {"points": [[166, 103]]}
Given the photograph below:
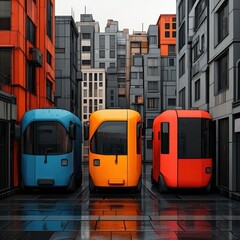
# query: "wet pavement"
{"points": [[42, 215]]}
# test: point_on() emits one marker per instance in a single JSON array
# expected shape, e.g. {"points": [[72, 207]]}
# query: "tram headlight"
{"points": [[64, 162]]}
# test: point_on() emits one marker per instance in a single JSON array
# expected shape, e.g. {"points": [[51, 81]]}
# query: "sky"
{"points": [[136, 15]]}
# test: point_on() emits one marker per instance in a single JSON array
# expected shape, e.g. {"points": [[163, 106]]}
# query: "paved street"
{"points": [[119, 215]]}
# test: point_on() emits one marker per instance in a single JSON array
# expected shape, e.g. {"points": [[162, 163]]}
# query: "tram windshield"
{"points": [[42, 138], [193, 138], [110, 139]]}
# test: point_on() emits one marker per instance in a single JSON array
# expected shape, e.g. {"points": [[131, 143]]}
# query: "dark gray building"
{"points": [[66, 68], [8, 116], [208, 70], [152, 89]]}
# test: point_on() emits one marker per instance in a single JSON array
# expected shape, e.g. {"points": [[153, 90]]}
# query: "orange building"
{"points": [[167, 34], [27, 53]]}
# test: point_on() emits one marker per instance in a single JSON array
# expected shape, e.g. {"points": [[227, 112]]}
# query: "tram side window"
{"points": [[165, 138], [139, 139], [110, 139]]}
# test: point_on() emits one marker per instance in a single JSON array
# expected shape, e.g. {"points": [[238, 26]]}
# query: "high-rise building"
{"points": [[167, 44], [67, 76], [27, 76], [93, 96], [152, 88]]}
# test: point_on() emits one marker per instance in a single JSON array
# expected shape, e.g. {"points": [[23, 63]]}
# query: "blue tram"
{"points": [[51, 149]]}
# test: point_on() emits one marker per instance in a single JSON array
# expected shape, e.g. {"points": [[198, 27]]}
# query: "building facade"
{"points": [[66, 61], [93, 96], [212, 43], [167, 44], [152, 88], [27, 64]]}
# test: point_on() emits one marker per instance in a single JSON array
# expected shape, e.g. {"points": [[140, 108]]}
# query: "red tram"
{"points": [[181, 150]]}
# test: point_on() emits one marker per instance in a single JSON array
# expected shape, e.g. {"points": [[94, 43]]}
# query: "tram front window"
{"points": [[193, 138], [110, 139], [42, 138]]}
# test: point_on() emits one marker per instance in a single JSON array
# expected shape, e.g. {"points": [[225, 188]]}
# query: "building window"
{"points": [[112, 42], [102, 41], [181, 11], [182, 65], [197, 90], [152, 103], [86, 48], [49, 92], [138, 99], [181, 41], [149, 123], [152, 67], [31, 78], [196, 51], [182, 98], [101, 53], [198, 12], [173, 25], [149, 144], [174, 34], [101, 65], [153, 86], [171, 62], [86, 62], [49, 58], [31, 31], [59, 50], [167, 34], [223, 22], [100, 76], [202, 43], [171, 50], [171, 101], [112, 53], [5, 66], [49, 19], [222, 72], [121, 62], [153, 39], [167, 25], [86, 35], [134, 75], [5, 15]]}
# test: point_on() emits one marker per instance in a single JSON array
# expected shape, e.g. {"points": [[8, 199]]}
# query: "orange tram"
{"points": [[181, 156], [115, 149]]}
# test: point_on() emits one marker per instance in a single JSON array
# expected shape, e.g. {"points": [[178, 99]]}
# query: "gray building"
{"points": [[137, 84], [87, 27], [224, 91], [208, 35], [111, 54], [152, 88], [183, 54], [66, 68]]}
